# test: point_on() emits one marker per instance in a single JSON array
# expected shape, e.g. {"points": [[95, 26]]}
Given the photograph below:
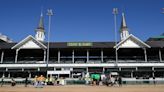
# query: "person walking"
{"points": [[120, 81], [26, 82], [13, 83], [2, 81], [36, 81], [154, 82]]}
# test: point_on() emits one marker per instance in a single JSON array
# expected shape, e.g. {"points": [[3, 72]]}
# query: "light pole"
{"points": [[49, 13], [115, 13]]}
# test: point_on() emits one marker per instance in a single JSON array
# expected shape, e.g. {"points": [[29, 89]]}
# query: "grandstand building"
{"points": [[136, 58]]}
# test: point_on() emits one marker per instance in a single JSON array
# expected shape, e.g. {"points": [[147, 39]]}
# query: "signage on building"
{"points": [[79, 44], [58, 72]]}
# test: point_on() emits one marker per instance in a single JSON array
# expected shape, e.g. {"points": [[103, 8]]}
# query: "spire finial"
{"points": [[41, 12], [123, 24]]}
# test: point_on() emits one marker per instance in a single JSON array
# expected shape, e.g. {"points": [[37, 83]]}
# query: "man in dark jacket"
{"points": [[120, 81], [26, 82]]}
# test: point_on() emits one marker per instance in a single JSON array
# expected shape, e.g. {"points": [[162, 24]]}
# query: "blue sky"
{"points": [[81, 20]]}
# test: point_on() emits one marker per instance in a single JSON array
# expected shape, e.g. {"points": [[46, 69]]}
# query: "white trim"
{"points": [[135, 38], [102, 56], [84, 65], [160, 55], [73, 56], [2, 56], [16, 56], [58, 56], [18, 45], [44, 59], [145, 53], [87, 56]]}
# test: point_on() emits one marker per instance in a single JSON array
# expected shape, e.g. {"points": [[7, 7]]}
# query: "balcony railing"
{"points": [[80, 60]]}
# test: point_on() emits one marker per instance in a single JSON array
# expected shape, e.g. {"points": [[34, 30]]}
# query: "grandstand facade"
{"points": [[136, 58]]}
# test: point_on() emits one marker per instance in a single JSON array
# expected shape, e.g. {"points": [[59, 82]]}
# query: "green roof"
{"points": [[162, 36]]}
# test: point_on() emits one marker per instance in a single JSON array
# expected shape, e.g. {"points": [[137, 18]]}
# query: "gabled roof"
{"points": [[30, 39], [132, 42]]}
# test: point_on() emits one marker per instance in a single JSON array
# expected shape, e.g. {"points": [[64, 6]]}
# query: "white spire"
{"points": [[123, 20], [124, 33], [40, 36]]}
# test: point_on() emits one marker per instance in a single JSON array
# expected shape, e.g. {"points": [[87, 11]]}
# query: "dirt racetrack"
{"points": [[83, 88]]}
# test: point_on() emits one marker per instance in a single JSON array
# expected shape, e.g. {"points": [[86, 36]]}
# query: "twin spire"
{"points": [[123, 22], [124, 33], [41, 25], [40, 32]]}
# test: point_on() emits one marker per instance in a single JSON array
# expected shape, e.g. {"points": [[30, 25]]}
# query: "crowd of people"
{"points": [[104, 80], [41, 81]]}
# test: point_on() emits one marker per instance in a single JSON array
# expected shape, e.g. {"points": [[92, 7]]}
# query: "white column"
{"points": [[103, 70], [44, 59], [87, 69], [131, 74], [59, 56], [87, 56], [6, 69], [22, 69], [83, 74], [72, 75], [160, 55], [2, 55], [29, 75], [153, 72], [3, 75], [38, 68], [145, 53], [58, 76], [73, 56], [119, 68], [136, 68], [16, 56], [102, 56], [9, 75]]}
